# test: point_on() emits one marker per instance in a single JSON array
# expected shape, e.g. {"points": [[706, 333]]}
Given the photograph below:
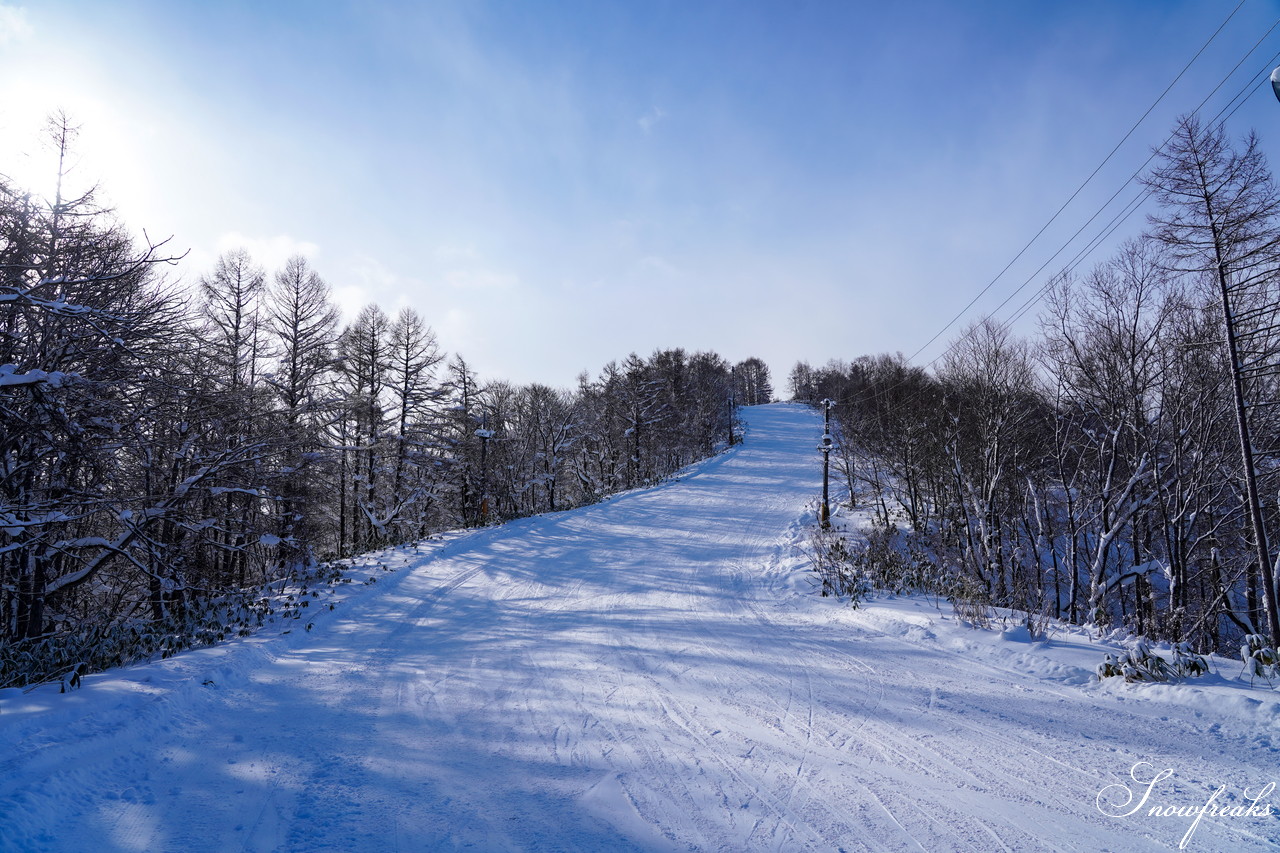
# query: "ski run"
{"points": [[654, 672]]}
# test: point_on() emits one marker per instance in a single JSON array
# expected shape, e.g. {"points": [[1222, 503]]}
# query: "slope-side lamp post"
{"points": [[824, 516], [733, 402], [484, 434], [733, 411]]}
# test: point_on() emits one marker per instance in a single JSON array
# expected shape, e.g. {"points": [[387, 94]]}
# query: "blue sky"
{"points": [[556, 184]]}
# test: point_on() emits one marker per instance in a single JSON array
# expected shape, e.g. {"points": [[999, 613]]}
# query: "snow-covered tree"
{"points": [[753, 385], [1220, 218], [302, 322]]}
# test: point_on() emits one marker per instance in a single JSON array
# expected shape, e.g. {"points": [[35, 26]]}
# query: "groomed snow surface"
{"points": [[651, 673]]}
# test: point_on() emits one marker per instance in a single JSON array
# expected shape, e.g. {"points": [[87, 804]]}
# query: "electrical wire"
{"points": [[1237, 100], [1125, 213], [1080, 188]]}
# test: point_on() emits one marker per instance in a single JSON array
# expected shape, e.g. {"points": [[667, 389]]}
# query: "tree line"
{"points": [[162, 445], [1094, 472]]}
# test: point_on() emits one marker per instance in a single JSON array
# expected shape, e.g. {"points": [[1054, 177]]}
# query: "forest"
{"points": [[1119, 467], [170, 445], [173, 441]]}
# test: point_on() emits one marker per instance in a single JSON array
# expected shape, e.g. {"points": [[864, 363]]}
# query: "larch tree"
{"points": [[302, 322], [88, 324], [753, 383], [1220, 218], [231, 317], [415, 396]]}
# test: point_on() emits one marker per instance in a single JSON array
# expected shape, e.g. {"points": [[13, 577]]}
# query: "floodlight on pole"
{"points": [[484, 434], [824, 515]]}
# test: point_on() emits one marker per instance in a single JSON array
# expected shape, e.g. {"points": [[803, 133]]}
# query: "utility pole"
{"points": [[824, 516]]}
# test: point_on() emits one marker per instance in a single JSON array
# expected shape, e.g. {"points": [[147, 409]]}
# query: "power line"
{"points": [[1241, 96], [1127, 211], [1080, 188], [1238, 100]]}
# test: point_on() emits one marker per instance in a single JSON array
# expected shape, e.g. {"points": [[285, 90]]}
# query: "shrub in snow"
{"points": [[1260, 660], [66, 654], [1037, 621], [1138, 664], [897, 567], [837, 566], [1188, 664], [971, 602], [71, 651], [1142, 664], [897, 563]]}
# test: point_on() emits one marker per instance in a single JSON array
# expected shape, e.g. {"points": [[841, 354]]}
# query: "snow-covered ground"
{"points": [[651, 673]]}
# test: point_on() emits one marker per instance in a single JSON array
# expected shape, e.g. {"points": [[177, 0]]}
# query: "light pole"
{"points": [[824, 516], [733, 401], [485, 434]]}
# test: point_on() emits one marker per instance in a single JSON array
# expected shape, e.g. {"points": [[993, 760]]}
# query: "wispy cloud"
{"points": [[456, 253], [655, 264], [479, 278], [271, 252], [650, 119], [14, 25]]}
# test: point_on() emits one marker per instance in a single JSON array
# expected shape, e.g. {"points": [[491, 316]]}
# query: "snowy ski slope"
{"points": [[651, 673]]}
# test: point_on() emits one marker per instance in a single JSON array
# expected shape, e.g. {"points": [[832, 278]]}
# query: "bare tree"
{"points": [[302, 321], [413, 397], [1221, 218], [233, 334], [87, 321], [991, 445], [753, 383]]}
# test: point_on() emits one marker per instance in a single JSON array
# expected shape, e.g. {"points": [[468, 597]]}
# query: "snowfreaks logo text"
{"points": [[1143, 798]]}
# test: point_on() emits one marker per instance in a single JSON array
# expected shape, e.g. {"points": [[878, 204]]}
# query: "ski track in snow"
{"points": [[650, 673]]}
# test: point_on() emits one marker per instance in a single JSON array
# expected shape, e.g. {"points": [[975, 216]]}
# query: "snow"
{"points": [[654, 672], [10, 377]]}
